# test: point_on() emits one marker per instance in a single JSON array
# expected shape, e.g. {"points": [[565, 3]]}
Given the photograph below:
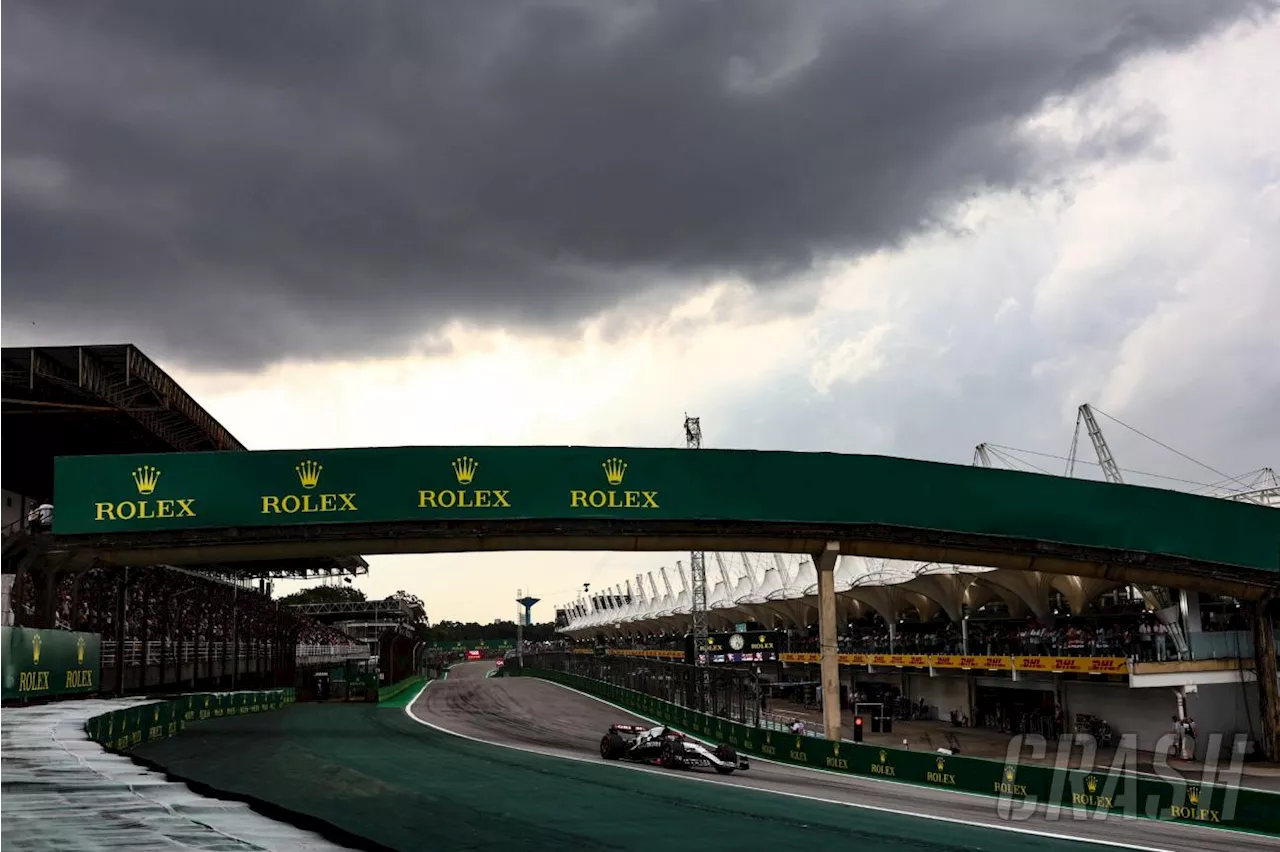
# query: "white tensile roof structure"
{"points": [[780, 591]]}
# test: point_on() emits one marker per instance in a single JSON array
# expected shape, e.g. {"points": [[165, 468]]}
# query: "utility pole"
{"points": [[698, 576]]}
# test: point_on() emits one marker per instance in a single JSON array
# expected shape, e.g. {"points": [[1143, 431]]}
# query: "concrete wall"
{"points": [[1148, 713], [943, 693], [13, 507], [1227, 709]]}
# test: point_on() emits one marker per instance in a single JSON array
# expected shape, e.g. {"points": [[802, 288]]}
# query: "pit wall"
{"points": [[127, 727], [1095, 795]]}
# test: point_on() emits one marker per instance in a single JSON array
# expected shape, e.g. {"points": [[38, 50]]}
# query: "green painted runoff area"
{"points": [[375, 773], [185, 491], [1115, 793]]}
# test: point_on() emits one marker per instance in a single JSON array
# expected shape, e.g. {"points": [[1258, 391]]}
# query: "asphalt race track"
{"points": [[550, 719]]}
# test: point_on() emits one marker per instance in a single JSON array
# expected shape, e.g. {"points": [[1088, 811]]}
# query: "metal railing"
{"points": [[778, 722], [337, 653], [157, 653]]}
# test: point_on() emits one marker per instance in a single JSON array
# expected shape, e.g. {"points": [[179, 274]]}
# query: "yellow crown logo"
{"points": [[1193, 795], [36, 641], [206, 701], [940, 763], [797, 742], [1009, 774], [1091, 784], [309, 473], [464, 467], [835, 749], [80, 650], [884, 756], [614, 470], [146, 478], [111, 725], [155, 717]]}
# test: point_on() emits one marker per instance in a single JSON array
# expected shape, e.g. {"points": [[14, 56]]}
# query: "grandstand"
{"points": [[211, 625]]}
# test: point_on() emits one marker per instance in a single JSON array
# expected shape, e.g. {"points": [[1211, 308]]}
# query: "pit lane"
{"points": [[549, 719]]}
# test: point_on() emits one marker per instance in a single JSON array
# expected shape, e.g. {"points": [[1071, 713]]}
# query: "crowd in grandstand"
{"points": [[167, 604], [1138, 636]]}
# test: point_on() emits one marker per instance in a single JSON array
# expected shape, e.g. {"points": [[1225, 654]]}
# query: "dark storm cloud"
{"points": [[240, 182]]}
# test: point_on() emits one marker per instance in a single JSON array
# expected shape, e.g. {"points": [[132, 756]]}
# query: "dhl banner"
{"points": [[1081, 665]]}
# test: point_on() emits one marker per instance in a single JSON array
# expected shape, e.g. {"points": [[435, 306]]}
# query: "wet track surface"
{"points": [[542, 716]]}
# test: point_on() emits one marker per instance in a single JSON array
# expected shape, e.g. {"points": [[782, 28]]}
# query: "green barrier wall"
{"points": [[1100, 793], [400, 686], [123, 729], [49, 663]]}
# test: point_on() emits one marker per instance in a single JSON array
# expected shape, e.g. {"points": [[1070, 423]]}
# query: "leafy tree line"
{"points": [[453, 631], [442, 631]]}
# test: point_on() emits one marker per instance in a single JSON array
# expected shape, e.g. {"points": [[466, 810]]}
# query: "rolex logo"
{"points": [[1009, 774], [1091, 784], [146, 478], [1193, 795], [309, 473], [155, 716], [464, 468], [941, 764], [614, 470], [80, 651], [835, 749], [884, 756], [798, 741], [36, 641]]}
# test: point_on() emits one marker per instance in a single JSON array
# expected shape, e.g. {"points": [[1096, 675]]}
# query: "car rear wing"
{"points": [[628, 729]]}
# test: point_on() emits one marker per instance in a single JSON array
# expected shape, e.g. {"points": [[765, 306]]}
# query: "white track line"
{"points": [[667, 774]]}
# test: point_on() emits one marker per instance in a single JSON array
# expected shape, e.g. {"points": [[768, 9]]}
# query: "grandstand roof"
{"points": [[104, 400], [89, 400]]}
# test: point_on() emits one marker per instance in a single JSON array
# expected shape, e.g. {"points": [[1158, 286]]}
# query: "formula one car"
{"points": [[662, 746]]}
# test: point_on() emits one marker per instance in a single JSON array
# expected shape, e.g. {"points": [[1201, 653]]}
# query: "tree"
{"points": [[324, 594], [412, 603]]}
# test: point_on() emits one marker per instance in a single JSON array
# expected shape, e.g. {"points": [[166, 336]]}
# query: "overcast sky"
{"points": [[881, 227]]}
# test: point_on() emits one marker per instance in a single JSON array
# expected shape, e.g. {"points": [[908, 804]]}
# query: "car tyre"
{"points": [[612, 746], [729, 755]]}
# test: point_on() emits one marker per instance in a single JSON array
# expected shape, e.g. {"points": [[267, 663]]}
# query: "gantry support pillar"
{"points": [[829, 659], [1264, 650]]}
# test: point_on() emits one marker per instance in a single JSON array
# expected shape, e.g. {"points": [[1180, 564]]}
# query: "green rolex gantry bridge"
{"points": [[225, 507]]}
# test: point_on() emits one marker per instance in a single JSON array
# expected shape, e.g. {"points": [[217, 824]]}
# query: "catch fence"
{"points": [[732, 694]]}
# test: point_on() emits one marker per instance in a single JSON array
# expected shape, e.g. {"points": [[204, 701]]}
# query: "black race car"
{"points": [[662, 746]]}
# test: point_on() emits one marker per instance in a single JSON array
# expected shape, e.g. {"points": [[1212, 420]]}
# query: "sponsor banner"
{"points": [[663, 654], [123, 729], [1098, 793], [49, 663], [1089, 665], [109, 494]]}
